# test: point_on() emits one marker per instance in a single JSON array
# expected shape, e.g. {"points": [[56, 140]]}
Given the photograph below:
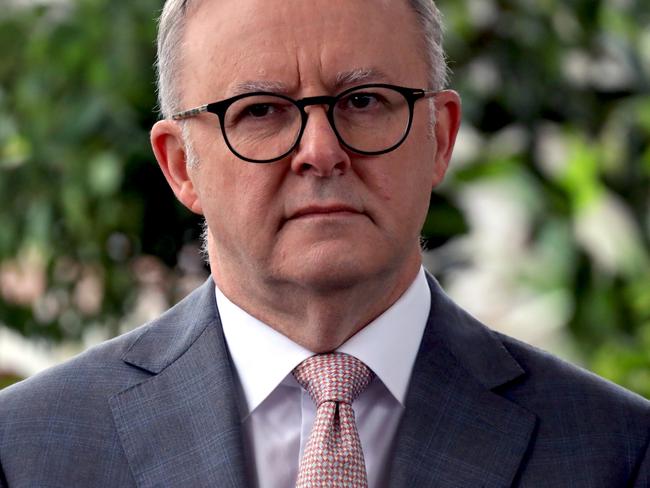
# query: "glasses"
{"points": [[263, 127]]}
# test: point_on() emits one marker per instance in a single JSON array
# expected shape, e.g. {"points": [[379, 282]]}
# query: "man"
{"points": [[309, 135]]}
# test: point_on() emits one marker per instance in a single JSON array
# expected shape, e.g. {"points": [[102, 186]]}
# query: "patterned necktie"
{"points": [[333, 455]]}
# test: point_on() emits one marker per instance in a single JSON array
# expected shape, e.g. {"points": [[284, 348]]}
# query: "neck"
{"points": [[319, 318]]}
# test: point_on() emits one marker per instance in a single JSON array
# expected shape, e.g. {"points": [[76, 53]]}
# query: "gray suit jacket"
{"points": [[157, 408]]}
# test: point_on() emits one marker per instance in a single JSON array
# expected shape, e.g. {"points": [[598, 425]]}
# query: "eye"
{"points": [[259, 110], [251, 111], [362, 100]]}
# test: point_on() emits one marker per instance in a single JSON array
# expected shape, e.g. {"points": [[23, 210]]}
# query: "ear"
{"points": [[169, 149], [448, 115]]}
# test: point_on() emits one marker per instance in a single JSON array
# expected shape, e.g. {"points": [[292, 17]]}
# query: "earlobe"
{"points": [[169, 149], [448, 116]]}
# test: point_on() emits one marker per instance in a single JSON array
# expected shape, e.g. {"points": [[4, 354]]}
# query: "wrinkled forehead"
{"points": [[299, 44]]}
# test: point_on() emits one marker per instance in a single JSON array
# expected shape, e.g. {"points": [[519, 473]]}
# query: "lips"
{"points": [[323, 210]]}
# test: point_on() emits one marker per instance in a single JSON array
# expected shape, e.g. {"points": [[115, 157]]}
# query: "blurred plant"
{"points": [[8, 379], [557, 97], [82, 195]]}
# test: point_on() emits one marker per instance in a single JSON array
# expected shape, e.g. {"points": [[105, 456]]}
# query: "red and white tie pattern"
{"points": [[333, 457]]}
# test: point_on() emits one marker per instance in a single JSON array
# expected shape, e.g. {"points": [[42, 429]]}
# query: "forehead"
{"points": [[299, 44]]}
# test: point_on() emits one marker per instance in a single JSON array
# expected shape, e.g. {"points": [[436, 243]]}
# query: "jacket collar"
{"points": [[457, 430], [181, 426]]}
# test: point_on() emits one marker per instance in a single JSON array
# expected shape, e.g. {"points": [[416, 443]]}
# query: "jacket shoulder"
{"points": [[63, 413], [119, 363], [551, 381], [582, 419], [62, 418], [100, 368]]}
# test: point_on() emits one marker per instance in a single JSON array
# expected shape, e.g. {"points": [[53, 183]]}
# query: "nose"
{"points": [[319, 151]]}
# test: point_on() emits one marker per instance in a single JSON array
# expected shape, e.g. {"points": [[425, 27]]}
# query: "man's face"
{"points": [[323, 217]]}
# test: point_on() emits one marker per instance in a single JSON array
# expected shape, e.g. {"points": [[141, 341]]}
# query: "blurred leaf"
{"points": [[8, 380], [104, 174], [443, 222]]}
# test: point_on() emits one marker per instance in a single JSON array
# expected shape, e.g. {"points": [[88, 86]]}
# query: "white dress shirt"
{"points": [[277, 414]]}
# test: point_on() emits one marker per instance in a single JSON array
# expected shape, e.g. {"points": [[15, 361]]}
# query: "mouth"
{"points": [[316, 211]]}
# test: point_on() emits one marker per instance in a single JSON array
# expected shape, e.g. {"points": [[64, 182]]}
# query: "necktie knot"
{"points": [[333, 377]]}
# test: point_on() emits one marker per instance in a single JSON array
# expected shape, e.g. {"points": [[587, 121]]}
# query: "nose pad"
{"points": [[319, 151]]}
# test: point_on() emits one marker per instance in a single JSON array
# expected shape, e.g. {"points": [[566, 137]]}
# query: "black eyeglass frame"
{"points": [[219, 108]]}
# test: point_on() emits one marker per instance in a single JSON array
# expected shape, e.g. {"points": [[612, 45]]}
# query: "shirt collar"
{"points": [[388, 345]]}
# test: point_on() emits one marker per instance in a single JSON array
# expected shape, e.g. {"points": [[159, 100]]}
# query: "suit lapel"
{"points": [[181, 427], [456, 431]]}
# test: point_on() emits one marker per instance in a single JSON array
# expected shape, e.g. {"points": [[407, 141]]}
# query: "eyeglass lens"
{"points": [[264, 127]]}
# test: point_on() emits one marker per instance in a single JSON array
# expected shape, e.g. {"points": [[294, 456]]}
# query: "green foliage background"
{"points": [[83, 200]]}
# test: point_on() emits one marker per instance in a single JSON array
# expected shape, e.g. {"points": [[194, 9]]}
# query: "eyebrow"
{"points": [[343, 79], [250, 86], [359, 75]]}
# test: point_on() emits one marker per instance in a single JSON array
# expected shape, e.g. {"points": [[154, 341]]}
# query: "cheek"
{"points": [[385, 188], [239, 197], [407, 187], [399, 198], [408, 176]]}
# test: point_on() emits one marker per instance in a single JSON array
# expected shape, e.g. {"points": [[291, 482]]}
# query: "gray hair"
{"points": [[171, 27]]}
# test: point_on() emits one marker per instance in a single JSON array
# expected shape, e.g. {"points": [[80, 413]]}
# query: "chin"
{"points": [[337, 265], [334, 274]]}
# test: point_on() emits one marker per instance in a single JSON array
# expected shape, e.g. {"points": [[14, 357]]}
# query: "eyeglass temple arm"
{"points": [[193, 112]]}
